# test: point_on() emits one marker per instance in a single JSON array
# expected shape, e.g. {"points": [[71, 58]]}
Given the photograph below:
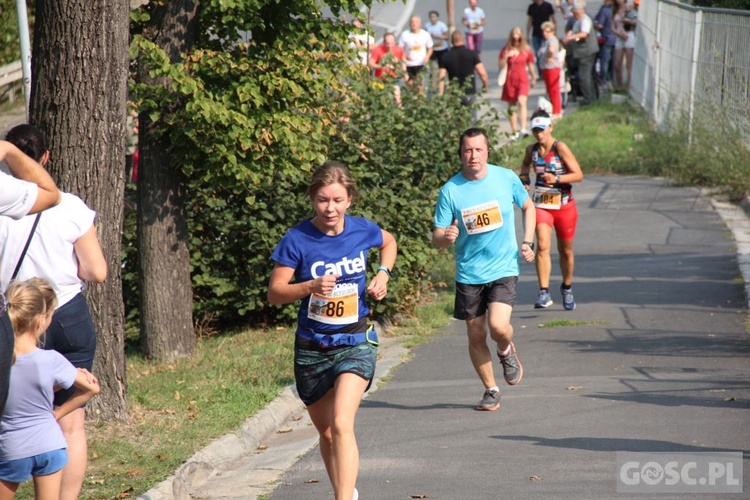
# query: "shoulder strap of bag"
{"points": [[26, 248]]}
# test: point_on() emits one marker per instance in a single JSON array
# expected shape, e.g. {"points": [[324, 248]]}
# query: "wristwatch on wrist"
{"points": [[557, 179], [529, 243]]}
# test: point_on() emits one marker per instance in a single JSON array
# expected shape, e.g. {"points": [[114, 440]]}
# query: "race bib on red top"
{"points": [[547, 197]]}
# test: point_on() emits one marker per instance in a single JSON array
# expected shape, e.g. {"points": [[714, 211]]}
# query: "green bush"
{"points": [[709, 150], [10, 47], [248, 122]]}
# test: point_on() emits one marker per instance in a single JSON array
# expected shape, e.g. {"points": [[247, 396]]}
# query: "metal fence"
{"points": [[686, 57]]}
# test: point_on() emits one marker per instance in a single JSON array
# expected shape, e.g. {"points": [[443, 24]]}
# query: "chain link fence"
{"points": [[686, 57]]}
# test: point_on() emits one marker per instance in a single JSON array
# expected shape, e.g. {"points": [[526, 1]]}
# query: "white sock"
{"points": [[505, 352], [356, 494], [494, 389]]}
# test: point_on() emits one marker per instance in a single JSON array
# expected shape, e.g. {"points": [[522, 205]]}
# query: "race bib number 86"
{"points": [[340, 308]]}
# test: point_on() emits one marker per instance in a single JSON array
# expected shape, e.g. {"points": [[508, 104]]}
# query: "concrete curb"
{"points": [[204, 464], [257, 446], [737, 219]]}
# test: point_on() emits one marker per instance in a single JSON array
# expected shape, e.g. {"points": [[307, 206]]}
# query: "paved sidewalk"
{"points": [[658, 362]]}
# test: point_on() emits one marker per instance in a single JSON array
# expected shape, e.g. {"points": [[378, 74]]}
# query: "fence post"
{"points": [[657, 69], [697, 28], [23, 32]]}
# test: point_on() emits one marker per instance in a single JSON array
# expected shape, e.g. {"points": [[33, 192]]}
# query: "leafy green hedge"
{"points": [[10, 47], [248, 122]]}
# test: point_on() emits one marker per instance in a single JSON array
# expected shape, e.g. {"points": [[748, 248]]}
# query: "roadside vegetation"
{"points": [[177, 408], [242, 125]]}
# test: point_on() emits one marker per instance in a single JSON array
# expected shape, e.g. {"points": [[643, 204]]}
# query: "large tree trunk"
{"points": [[79, 92], [166, 306]]}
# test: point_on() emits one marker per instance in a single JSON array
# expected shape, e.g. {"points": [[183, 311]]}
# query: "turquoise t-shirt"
{"points": [[486, 248]]}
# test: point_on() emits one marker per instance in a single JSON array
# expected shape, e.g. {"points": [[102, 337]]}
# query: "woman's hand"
{"points": [[549, 178], [325, 284], [378, 287]]}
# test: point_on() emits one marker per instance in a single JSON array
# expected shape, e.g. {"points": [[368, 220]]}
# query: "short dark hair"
{"points": [[433, 12], [28, 139], [473, 132], [539, 112]]}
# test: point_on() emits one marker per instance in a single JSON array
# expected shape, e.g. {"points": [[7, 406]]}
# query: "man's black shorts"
{"points": [[472, 300], [414, 70]]}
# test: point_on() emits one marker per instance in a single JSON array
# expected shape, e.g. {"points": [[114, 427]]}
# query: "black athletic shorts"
{"points": [[414, 70], [472, 300]]}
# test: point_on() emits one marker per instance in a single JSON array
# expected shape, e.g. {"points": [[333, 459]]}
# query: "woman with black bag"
{"points": [[61, 246]]}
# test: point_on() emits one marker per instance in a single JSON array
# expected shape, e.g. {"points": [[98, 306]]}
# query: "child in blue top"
{"points": [[31, 441], [323, 263]]}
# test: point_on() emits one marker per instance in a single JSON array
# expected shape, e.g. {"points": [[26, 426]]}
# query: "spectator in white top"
{"points": [[64, 250], [361, 40], [30, 191], [417, 45], [440, 35], [474, 20]]}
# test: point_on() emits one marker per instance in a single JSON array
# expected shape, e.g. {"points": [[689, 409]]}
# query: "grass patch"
{"points": [[178, 408], [621, 139], [603, 138], [569, 322]]}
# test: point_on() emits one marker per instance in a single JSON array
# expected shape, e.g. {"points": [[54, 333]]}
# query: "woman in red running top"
{"points": [[555, 169]]}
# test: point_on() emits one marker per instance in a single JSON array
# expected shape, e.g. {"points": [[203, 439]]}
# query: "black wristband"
{"points": [[529, 243]]}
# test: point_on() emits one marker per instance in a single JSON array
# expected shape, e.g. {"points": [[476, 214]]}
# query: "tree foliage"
{"points": [[268, 93], [10, 46], [723, 4]]}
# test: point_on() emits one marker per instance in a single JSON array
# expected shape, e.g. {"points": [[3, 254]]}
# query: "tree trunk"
{"points": [[79, 92], [166, 306]]}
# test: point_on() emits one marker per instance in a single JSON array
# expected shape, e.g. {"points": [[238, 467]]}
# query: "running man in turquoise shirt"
{"points": [[474, 212]]}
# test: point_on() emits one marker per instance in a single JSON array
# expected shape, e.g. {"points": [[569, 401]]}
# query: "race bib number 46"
{"points": [[339, 308], [482, 218], [549, 198]]}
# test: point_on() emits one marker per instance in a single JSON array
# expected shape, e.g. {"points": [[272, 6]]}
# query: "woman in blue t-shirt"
{"points": [[323, 263]]}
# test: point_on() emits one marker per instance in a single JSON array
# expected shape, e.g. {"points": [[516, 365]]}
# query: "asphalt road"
{"points": [[655, 358]]}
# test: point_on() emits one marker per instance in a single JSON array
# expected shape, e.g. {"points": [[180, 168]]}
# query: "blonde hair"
{"points": [[45, 287], [548, 25], [27, 302], [517, 31]]}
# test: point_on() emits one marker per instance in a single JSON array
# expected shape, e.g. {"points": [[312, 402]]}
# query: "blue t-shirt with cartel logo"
{"points": [[313, 254], [486, 248]]}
